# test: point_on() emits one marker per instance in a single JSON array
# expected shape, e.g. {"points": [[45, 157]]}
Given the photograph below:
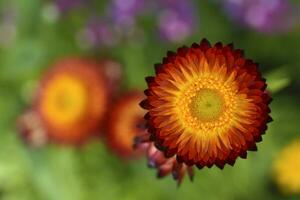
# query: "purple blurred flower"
{"points": [[64, 6], [262, 15], [124, 12], [118, 24], [8, 29], [98, 32], [177, 19]]}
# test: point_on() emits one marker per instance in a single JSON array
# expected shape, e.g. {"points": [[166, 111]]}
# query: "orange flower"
{"points": [[206, 105], [122, 124], [71, 100]]}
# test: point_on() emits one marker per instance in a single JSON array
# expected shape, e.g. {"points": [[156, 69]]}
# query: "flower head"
{"points": [[71, 100], [286, 169], [122, 124], [207, 105]]}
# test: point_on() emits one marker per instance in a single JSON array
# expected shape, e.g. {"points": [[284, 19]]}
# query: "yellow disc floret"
{"points": [[65, 100], [207, 105]]}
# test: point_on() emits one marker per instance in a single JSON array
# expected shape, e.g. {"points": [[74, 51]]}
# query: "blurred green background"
{"points": [[36, 35]]}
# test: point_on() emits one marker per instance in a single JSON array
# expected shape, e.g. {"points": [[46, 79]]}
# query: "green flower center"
{"points": [[207, 105]]}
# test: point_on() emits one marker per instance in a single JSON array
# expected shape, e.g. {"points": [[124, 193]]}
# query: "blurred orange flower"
{"points": [[122, 124], [207, 105], [71, 101]]}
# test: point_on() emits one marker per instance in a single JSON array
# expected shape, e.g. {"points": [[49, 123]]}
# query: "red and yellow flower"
{"points": [[122, 124], [207, 105]]}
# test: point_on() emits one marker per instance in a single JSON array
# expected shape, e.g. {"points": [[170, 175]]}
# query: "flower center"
{"points": [[207, 105], [65, 100]]}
